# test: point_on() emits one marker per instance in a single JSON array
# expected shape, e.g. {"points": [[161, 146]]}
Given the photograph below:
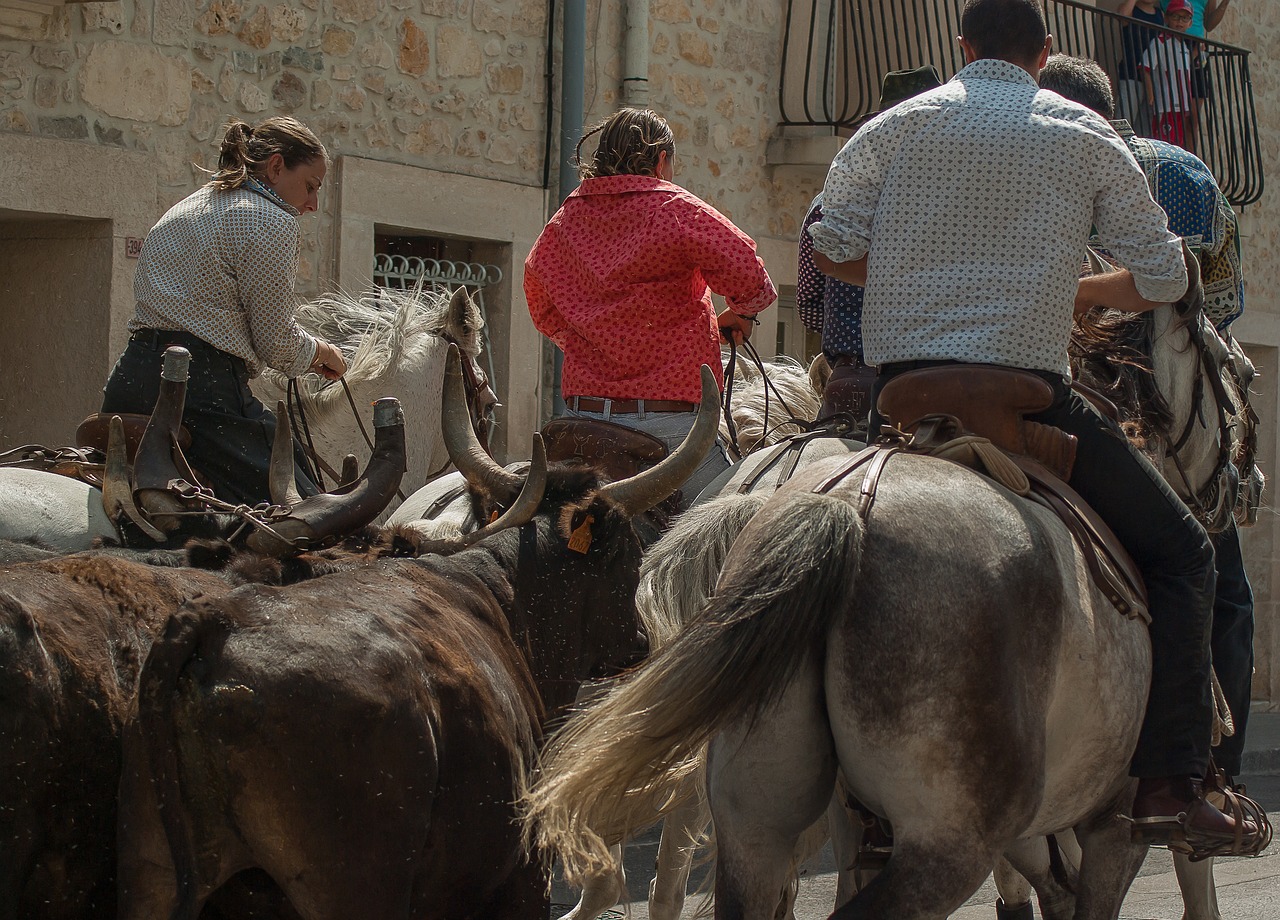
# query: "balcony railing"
{"points": [[835, 53]]}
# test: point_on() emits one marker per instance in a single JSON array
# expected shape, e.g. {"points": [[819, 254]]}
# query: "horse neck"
{"points": [[1177, 366]]}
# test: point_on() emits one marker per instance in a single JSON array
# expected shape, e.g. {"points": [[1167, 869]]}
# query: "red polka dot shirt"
{"points": [[621, 280]]}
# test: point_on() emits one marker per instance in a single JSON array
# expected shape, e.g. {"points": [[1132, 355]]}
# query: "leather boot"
{"points": [[1173, 811]]}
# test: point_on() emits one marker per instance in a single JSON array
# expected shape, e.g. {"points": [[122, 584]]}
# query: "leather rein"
{"points": [[473, 386], [726, 405]]}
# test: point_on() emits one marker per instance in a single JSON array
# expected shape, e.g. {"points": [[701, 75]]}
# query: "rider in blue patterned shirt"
{"points": [[834, 308]]}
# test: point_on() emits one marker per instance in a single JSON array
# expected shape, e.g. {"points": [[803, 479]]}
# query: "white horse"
{"points": [[395, 343], [681, 569]]}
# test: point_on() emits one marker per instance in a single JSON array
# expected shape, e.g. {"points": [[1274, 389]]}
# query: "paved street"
{"points": [[1248, 889]]}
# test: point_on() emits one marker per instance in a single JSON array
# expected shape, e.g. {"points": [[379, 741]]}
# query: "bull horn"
{"points": [[117, 493], [479, 469], [281, 484], [526, 504], [153, 465], [646, 489], [319, 517]]}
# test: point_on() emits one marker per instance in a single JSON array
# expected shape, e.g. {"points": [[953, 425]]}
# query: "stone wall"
{"points": [[450, 85]]}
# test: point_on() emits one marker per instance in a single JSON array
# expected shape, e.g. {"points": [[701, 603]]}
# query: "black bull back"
{"points": [[362, 737]]}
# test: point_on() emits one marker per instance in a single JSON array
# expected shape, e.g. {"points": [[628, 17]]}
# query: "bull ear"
{"points": [[645, 490], [281, 484], [117, 493], [479, 469]]}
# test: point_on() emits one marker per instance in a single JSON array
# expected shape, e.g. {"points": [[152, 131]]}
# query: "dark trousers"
{"points": [[1175, 556], [231, 431], [1233, 643]]}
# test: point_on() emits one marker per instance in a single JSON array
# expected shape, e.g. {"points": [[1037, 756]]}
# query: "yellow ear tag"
{"points": [[580, 539], [493, 515]]}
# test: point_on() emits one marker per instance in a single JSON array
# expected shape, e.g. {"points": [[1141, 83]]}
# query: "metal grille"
{"points": [[403, 272], [835, 53]]}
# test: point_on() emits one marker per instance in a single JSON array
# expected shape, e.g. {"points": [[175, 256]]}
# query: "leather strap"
{"points": [[628, 406]]}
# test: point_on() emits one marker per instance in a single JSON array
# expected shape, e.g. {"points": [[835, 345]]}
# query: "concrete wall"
{"points": [[1256, 26], [48, 270], [66, 280]]}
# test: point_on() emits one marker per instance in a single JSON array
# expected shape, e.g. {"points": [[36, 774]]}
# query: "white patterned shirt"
{"points": [[221, 266], [973, 203]]}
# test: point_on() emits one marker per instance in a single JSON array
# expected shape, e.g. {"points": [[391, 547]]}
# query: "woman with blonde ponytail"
{"points": [[216, 276]]}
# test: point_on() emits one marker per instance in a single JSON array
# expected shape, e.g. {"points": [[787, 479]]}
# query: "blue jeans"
{"points": [[231, 431]]}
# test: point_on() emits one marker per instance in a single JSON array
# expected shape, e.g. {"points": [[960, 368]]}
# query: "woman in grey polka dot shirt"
{"points": [[216, 276]]}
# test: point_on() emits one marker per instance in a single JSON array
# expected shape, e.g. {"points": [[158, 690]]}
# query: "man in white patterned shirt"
{"points": [[965, 212]]}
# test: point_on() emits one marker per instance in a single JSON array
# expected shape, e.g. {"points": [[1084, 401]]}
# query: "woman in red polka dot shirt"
{"points": [[621, 279]]}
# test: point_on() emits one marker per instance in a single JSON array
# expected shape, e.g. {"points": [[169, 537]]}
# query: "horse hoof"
{"points": [[1021, 912]]}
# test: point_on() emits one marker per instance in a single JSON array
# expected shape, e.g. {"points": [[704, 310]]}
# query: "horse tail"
{"points": [[680, 570], [184, 633], [612, 768]]}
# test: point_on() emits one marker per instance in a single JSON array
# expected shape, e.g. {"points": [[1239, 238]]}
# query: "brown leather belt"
{"points": [[628, 406]]}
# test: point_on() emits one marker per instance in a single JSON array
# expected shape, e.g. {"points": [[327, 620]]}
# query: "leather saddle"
{"points": [[92, 432], [616, 450], [86, 461], [935, 408]]}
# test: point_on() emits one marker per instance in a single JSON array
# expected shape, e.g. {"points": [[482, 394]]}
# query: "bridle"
{"points": [[480, 403], [726, 405], [1222, 487]]}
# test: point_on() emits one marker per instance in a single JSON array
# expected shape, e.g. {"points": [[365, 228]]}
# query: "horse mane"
{"points": [[379, 331], [788, 379], [1111, 352]]}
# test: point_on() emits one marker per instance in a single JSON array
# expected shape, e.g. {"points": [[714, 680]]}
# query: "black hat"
{"points": [[900, 85]]}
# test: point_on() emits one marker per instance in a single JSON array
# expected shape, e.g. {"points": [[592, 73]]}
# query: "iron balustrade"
{"points": [[835, 53]]}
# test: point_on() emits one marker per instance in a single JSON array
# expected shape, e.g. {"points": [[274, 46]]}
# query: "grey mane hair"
{"points": [[378, 331], [789, 378], [679, 572]]}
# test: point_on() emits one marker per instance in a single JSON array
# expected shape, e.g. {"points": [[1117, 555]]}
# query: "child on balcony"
{"points": [[1166, 72]]}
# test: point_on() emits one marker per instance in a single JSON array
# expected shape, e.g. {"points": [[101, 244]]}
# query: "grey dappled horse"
{"points": [[693, 544]]}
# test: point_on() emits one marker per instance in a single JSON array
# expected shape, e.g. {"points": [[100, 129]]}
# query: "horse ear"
{"points": [[460, 306]]}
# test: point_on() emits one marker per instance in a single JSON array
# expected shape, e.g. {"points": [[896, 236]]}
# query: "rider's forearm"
{"points": [[1114, 290], [854, 272], [1214, 12]]}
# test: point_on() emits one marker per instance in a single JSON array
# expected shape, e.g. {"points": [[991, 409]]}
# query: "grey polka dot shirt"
{"points": [[221, 266], [973, 203]]}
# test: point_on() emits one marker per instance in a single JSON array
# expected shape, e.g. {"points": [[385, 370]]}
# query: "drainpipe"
{"points": [[635, 80], [572, 91]]}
